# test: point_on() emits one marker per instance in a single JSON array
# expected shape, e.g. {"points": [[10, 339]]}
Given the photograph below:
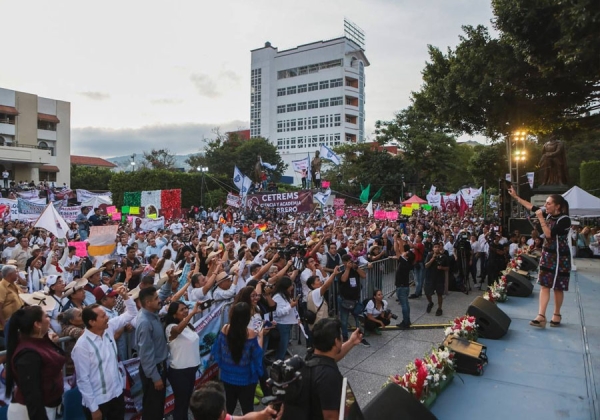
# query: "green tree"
{"points": [[460, 175], [426, 149], [90, 178], [589, 177], [160, 159], [488, 163]]}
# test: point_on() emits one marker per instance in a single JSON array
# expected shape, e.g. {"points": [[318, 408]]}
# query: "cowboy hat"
{"points": [[75, 286], [111, 260], [91, 272], [38, 299], [162, 280], [134, 293], [221, 277], [213, 255]]}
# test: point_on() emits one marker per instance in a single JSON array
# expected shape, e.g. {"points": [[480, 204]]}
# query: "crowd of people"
{"points": [[276, 271]]}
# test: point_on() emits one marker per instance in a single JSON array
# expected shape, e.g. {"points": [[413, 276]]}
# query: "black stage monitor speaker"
{"points": [[518, 285], [394, 402], [529, 263], [493, 322]]}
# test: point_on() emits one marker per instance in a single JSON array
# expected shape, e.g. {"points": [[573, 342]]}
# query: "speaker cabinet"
{"points": [[529, 263], [518, 285], [493, 322], [394, 402]]}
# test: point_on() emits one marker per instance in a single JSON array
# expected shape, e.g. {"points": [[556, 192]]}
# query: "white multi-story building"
{"points": [[307, 96], [35, 138]]}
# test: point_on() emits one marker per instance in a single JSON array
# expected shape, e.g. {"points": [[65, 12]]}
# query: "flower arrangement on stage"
{"points": [[464, 326], [424, 377], [497, 291], [515, 263]]}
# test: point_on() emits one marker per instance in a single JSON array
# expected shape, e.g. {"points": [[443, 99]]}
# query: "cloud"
{"points": [[231, 75], [95, 96], [178, 138], [205, 85], [166, 101]]}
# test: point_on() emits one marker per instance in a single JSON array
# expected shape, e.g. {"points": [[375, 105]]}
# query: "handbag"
{"points": [[348, 304]]}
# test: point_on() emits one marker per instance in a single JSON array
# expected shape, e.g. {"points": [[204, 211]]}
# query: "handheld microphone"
{"points": [[543, 209]]}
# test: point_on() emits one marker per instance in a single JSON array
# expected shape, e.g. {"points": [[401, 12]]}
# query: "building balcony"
{"points": [[351, 101], [24, 154], [46, 135], [8, 129]]}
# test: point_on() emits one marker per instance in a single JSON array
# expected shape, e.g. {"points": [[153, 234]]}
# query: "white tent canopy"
{"points": [[582, 203]]}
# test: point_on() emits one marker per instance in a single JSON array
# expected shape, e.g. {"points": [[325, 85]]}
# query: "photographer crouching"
{"points": [[378, 315]]}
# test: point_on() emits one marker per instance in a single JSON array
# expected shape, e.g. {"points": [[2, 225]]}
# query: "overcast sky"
{"points": [[143, 74]]}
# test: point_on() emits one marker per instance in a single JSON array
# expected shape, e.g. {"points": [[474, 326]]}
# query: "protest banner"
{"points": [[339, 202], [290, 202], [80, 248], [339, 212], [391, 215], [233, 200], [69, 213], [117, 216], [111, 209], [379, 214], [11, 209], [407, 211], [84, 195]]}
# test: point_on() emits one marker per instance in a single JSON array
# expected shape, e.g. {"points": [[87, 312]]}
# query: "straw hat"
{"points": [[134, 293], [212, 255], [161, 281], [91, 272], [46, 302], [221, 277], [106, 262], [75, 286]]}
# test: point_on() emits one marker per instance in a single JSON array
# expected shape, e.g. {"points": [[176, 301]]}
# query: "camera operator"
{"points": [[321, 392], [463, 255], [349, 294], [378, 315], [496, 259], [436, 267], [97, 219], [208, 403]]}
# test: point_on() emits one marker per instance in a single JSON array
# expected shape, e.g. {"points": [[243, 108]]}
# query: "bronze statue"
{"points": [[257, 170], [553, 163]]}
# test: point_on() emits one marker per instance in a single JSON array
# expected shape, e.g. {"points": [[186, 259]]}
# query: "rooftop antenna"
{"points": [[353, 32]]}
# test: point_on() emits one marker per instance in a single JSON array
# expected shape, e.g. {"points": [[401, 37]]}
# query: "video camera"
{"points": [[388, 312], [291, 251], [284, 379]]}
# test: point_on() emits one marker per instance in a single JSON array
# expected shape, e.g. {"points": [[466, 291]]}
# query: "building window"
{"points": [[45, 146], [314, 122], [302, 88], [313, 104], [300, 124], [313, 86], [7, 119], [279, 126], [336, 101], [291, 107], [313, 68], [48, 176], [293, 125], [336, 139], [255, 101], [301, 106], [281, 92], [323, 103], [281, 109], [302, 70], [322, 121], [313, 141], [336, 83], [324, 84], [280, 144], [337, 120], [46, 125], [291, 90], [300, 141], [293, 143]]}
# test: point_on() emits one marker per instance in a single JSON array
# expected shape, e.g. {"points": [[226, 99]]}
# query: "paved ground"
{"points": [[551, 373]]}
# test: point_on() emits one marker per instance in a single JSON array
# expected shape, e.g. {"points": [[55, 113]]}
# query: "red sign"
{"points": [[288, 202]]}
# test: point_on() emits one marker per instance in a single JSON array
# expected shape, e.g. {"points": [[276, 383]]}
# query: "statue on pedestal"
{"points": [[553, 164]]}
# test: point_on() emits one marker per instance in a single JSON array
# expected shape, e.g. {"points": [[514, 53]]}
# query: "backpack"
{"points": [[312, 313], [298, 397]]}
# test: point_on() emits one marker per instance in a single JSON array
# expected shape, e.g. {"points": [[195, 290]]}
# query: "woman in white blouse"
{"points": [[286, 314], [184, 356]]}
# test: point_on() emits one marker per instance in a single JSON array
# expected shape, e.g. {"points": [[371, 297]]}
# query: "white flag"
{"points": [[53, 222], [300, 165], [327, 153], [530, 176], [323, 197], [238, 178], [246, 183], [370, 208], [432, 190], [268, 165]]}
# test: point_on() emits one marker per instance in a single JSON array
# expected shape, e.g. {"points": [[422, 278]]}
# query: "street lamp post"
{"points": [[202, 169], [133, 162]]}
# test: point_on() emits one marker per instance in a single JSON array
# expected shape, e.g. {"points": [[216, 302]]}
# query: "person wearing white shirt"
{"points": [[11, 241], [184, 357], [286, 314], [96, 363], [310, 270], [176, 228], [70, 262]]}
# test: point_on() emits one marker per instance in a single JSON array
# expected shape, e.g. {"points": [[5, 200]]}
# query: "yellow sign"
{"points": [[407, 211], [415, 206], [134, 210]]}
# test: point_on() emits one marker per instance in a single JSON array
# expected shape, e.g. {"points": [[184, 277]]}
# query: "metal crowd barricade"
{"points": [[382, 276]]}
